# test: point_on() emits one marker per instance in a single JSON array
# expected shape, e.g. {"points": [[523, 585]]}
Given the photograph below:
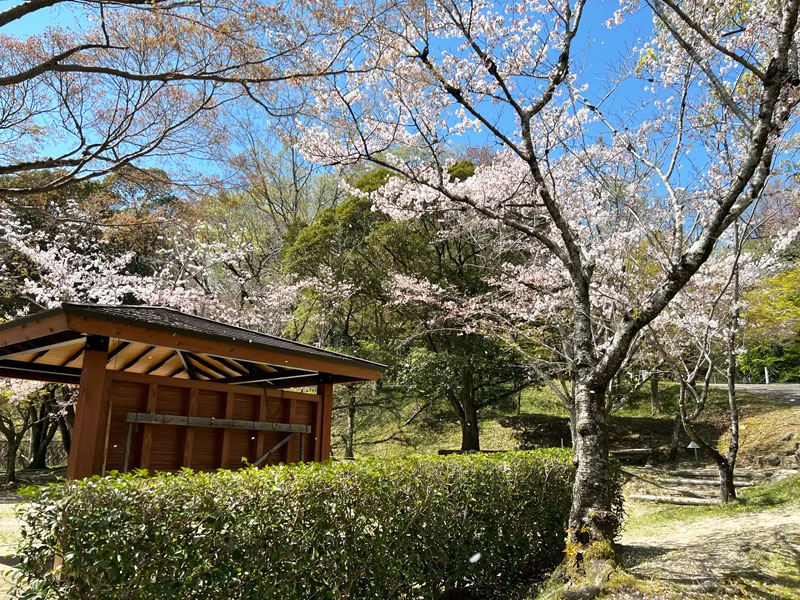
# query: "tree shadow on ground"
{"points": [[547, 431], [752, 556]]}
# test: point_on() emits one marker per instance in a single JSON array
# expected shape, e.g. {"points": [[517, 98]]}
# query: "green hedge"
{"points": [[357, 530]]}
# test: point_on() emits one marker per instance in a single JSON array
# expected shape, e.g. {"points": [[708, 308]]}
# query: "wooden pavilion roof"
{"points": [[159, 341]]}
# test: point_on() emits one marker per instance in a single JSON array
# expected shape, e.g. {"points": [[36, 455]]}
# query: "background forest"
{"points": [[306, 254]]}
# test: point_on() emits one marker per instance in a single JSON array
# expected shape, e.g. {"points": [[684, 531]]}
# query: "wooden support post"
{"points": [[109, 408], [91, 412], [127, 448], [317, 453], [291, 446], [147, 435], [226, 433], [325, 390], [188, 440]]}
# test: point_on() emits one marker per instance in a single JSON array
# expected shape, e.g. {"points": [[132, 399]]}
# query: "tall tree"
{"points": [[505, 71], [409, 287], [116, 82]]}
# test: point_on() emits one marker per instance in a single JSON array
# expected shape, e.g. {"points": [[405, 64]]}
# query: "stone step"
{"points": [[714, 474], [682, 500], [704, 482]]}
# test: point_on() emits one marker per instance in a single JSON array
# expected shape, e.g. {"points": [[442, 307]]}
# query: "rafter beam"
{"points": [[46, 344], [137, 358], [74, 355], [265, 377], [207, 365], [190, 370], [234, 365], [117, 349], [25, 370], [160, 363], [177, 371]]}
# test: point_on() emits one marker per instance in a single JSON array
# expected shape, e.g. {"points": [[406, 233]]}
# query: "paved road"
{"points": [[783, 391]]}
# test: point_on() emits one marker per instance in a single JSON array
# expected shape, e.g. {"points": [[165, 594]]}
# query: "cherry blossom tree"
{"points": [[702, 328], [81, 258], [189, 272], [616, 211]]}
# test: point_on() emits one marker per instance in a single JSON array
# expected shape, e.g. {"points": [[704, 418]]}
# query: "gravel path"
{"points": [[751, 554]]}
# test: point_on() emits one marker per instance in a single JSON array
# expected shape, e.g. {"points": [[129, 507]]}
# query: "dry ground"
{"points": [[754, 555]]}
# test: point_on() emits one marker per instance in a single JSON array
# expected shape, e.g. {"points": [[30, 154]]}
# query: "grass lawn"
{"points": [[9, 535], [536, 419]]}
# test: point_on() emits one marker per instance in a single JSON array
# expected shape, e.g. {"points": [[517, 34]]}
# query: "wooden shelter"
{"points": [[161, 389]]}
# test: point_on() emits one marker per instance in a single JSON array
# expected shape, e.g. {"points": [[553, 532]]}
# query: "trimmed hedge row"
{"points": [[410, 528]]}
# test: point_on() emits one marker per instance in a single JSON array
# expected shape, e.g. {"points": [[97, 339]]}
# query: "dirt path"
{"points": [[753, 555]]}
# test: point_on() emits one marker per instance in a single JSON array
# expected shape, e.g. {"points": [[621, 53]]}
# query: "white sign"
{"points": [[692, 445]]}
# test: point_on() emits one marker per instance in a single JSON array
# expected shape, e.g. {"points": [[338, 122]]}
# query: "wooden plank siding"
{"points": [[160, 447]]}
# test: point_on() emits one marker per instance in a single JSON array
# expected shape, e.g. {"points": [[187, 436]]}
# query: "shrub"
{"points": [[409, 528]]}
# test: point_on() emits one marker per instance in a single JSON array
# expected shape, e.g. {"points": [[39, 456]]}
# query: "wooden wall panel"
{"points": [[242, 445], [275, 409], [211, 404], [206, 449], [245, 407], [166, 453], [306, 412], [171, 400], [171, 446], [125, 397]]}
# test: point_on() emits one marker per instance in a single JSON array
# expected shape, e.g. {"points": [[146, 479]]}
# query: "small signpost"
{"points": [[693, 446]]}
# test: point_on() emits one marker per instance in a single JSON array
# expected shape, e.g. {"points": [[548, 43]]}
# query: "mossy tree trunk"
{"points": [[12, 449]]}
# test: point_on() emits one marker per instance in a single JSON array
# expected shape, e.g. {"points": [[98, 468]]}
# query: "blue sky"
{"points": [[597, 49]]}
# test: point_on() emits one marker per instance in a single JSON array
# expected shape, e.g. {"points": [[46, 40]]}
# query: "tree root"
{"points": [[584, 571]]}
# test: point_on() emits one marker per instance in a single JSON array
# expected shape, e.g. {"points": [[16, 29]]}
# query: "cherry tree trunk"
{"points": [[727, 491], [65, 428], [591, 521], [470, 435], [677, 427], [42, 434], [655, 399], [12, 448], [467, 411]]}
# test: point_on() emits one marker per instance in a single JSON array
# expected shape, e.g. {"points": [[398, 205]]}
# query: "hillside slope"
{"points": [[536, 419]]}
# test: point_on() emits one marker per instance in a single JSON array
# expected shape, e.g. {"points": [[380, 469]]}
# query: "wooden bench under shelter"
{"points": [[160, 389]]}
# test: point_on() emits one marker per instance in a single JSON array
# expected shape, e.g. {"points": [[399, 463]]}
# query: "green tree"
{"points": [[356, 254], [773, 327]]}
